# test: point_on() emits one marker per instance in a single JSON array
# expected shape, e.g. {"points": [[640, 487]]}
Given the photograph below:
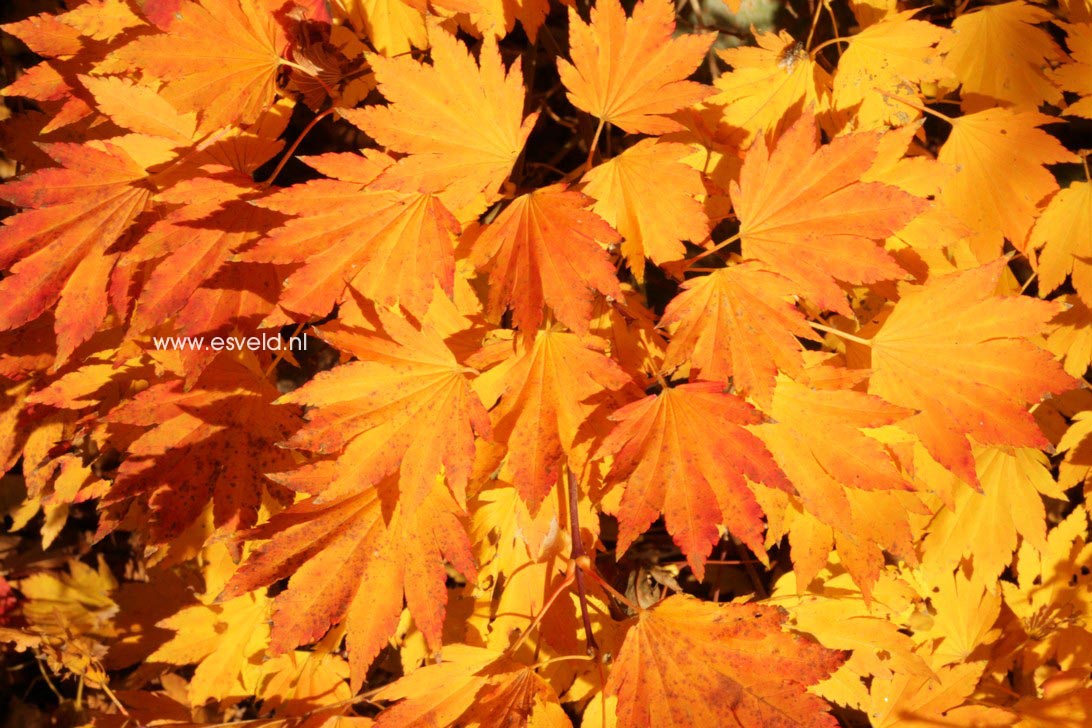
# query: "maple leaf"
{"points": [[393, 247], [225, 641], [770, 86], [819, 438], [752, 672], [962, 357], [737, 322], [472, 686], [462, 138], [630, 71], [804, 213], [212, 442], [219, 59], [685, 453], [917, 701], [406, 406], [999, 56], [351, 556], [1050, 597], [551, 393], [140, 109], [392, 27], [983, 526], [193, 242], [654, 220], [59, 252], [1000, 179], [547, 248], [1074, 76], [894, 55], [1063, 232]]}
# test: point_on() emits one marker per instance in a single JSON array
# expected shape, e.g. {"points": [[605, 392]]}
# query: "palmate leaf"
{"points": [[630, 71], [685, 453], [805, 214], [962, 357], [518, 475], [59, 252], [461, 122], [748, 672], [218, 58]]}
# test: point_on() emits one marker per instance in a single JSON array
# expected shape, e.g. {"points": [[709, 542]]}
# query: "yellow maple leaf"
{"points": [[896, 55], [999, 53], [653, 219], [1000, 179], [770, 86], [1076, 75], [1063, 235], [630, 71], [460, 121]]}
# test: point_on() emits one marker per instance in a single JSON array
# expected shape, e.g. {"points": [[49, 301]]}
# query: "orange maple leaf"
{"points": [[630, 71], [695, 664], [219, 58], [350, 556], [391, 246], [406, 406], [737, 322], [460, 122], [686, 453], [213, 442], [547, 248], [804, 212], [61, 250], [964, 359], [817, 437], [554, 390]]}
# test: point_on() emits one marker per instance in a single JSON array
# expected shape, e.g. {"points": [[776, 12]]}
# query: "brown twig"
{"points": [[580, 558]]}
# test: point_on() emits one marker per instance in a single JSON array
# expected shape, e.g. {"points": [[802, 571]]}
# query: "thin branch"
{"points": [[569, 578], [685, 265], [814, 23], [579, 558], [915, 105], [563, 658], [593, 145], [295, 145], [841, 334]]}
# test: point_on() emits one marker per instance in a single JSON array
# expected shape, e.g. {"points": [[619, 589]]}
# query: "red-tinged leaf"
{"points": [[686, 454], [695, 664], [46, 35], [61, 250], [213, 442], [547, 249], [350, 558], [964, 358], [192, 243], [220, 59], [804, 212], [393, 247], [553, 390], [405, 407], [737, 322]]}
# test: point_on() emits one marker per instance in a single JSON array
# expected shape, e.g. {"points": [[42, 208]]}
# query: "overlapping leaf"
{"points": [[631, 72]]}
